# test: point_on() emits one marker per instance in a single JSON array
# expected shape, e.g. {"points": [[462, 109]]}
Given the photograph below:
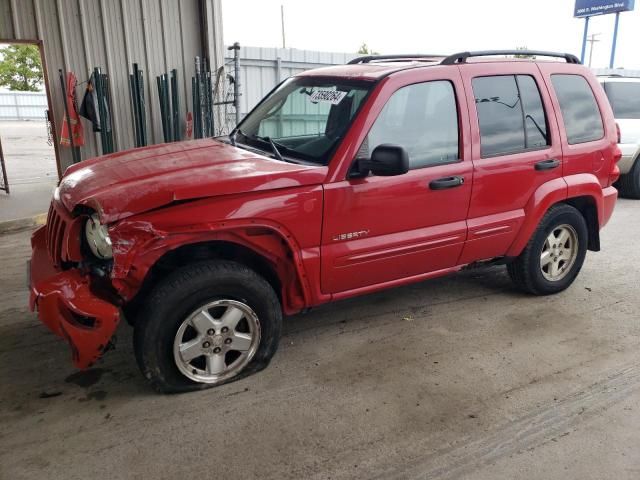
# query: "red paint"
{"points": [[63, 298], [324, 235]]}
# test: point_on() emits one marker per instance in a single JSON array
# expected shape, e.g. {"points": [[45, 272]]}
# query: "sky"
{"points": [[429, 26]]}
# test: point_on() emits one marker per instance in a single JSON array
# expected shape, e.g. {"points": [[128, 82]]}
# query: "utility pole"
{"points": [[284, 44], [592, 40]]}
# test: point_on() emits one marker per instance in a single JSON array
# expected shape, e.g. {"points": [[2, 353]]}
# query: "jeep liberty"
{"points": [[342, 181]]}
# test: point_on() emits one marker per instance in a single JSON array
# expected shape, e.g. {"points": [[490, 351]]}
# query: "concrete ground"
{"points": [[31, 169], [461, 377]]}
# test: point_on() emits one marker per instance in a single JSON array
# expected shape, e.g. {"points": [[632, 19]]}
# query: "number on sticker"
{"points": [[334, 97]]}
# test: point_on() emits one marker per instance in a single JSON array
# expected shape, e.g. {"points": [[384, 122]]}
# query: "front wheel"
{"points": [[207, 324], [554, 256]]}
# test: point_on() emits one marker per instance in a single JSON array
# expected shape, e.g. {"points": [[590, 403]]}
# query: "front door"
{"points": [[381, 229]]}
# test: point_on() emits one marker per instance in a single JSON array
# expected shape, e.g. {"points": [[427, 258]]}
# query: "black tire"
{"points": [[186, 289], [629, 184], [525, 270]]}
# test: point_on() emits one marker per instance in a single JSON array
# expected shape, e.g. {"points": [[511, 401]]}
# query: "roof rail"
{"points": [[371, 58], [462, 56]]}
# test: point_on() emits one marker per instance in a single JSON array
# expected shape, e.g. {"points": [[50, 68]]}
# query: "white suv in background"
{"points": [[624, 96]]}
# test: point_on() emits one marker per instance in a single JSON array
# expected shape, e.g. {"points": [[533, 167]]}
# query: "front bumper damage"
{"points": [[67, 305]]}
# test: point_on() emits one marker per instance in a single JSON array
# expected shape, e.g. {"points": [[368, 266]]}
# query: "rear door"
{"points": [[582, 110], [383, 229], [516, 149]]}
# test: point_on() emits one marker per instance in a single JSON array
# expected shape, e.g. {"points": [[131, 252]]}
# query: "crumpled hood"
{"points": [[130, 182]]}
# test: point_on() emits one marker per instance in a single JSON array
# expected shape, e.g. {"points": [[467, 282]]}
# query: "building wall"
{"points": [[78, 35], [261, 69]]}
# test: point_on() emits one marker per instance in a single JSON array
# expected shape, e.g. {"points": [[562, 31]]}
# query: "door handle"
{"points": [[547, 164], [447, 182]]}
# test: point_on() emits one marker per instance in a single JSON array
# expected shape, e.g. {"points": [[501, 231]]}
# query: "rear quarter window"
{"points": [[580, 112]]}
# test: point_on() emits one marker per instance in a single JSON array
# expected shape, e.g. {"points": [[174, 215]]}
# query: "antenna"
{"points": [[284, 45]]}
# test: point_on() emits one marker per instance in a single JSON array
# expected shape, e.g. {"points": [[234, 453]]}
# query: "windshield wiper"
{"points": [[276, 152], [232, 136], [275, 146]]}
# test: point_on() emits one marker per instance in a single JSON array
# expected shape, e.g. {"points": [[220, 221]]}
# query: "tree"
{"points": [[21, 68], [523, 55], [365, 50]]}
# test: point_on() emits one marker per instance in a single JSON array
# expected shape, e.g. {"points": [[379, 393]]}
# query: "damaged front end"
{"points": [[66, 292]]}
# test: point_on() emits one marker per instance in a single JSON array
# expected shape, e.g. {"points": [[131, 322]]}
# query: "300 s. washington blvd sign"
{"points": [[589, 8]]}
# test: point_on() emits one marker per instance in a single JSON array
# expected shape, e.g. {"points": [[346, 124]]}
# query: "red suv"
{"points": [[343, 181]]}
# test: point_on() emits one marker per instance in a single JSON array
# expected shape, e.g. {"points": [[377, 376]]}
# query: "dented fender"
{"points": [[134, 259], [256, 222]]}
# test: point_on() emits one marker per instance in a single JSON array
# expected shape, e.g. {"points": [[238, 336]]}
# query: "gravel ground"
{"points": [[460, 377]]}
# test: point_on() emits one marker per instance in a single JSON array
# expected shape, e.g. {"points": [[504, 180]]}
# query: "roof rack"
{"points": [[394, 58], [462, 57]]}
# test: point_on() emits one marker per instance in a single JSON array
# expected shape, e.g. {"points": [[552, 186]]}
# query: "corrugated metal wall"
{"points": [[261, 69], [78, 35]]}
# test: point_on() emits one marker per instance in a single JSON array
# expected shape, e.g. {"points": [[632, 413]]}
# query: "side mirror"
{"points": [[389, 160]]}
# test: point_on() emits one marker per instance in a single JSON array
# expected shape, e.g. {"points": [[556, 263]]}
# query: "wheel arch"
{"points": [[264, 249], [587, 206], [582, 191]]}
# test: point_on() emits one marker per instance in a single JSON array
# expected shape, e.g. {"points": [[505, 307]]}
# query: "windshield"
{"points": [[304, 118], [624, 98]]}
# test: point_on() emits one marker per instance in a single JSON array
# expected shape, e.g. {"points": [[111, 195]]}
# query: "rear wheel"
{"points": [[629, 183], [205, 325], [554, 256]]}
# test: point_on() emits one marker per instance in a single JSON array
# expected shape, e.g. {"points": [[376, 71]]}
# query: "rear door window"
{"points": [[624, 98], [511, 115], [580, 112]]}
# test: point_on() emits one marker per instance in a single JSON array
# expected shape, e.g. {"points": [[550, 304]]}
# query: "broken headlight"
{"points": [[97, 237]]}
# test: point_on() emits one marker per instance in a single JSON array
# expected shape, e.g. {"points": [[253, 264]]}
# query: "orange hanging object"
{"points": [[72, 107]]}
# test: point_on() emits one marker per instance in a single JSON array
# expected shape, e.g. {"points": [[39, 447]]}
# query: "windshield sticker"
{"points": [[334, 97]]}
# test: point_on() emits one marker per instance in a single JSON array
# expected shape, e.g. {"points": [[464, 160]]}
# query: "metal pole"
{"points": [[197, 108], [175, 115], [4, 185], [97, 85], [615, 40], [584, 38], [278, 80], [194, 101], [162, 112], [236, 83], [134, 108], [108, 123], [167, 107], [142, 107]]}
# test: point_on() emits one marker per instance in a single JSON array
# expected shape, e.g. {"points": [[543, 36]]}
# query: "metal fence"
{"points": [[617, 71], [22, 105], [261, 69]]}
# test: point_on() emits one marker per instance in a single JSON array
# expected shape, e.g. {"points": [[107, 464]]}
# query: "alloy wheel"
{"points": [[216, 341], [559, 253]]}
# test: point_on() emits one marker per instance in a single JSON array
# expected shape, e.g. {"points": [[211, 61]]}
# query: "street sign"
{"points": [[589, 8]]}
